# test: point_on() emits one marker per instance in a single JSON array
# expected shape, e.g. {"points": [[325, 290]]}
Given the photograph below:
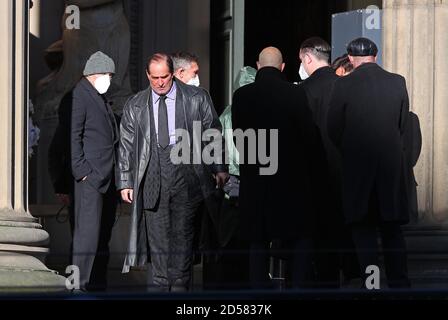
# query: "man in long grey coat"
{"points": [[165, 195], [366, 121]]}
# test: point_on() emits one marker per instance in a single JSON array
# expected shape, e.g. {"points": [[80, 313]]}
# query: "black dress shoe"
{"points": [[179, 286], [96, 287], [81, 291], [158, 289], [179, 289]]}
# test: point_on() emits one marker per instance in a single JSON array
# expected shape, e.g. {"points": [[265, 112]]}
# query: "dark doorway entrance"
{"points": [[281, 23], [285, 24]]}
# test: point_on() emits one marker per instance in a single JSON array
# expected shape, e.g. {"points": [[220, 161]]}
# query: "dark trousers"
{"points": [[365, 237], [71, 220], [71, 213], [225, 266], [170, 228], [334, 255], [299, 263], [94, 219], [327, 258]]}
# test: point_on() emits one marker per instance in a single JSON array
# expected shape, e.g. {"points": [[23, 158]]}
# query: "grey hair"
{"points": [[317, 47], [183, 60]]}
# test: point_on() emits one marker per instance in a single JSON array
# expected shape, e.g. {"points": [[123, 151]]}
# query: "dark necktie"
{"points": [[164, 137]]}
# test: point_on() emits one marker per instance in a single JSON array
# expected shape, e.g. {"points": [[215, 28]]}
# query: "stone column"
{"points": [[415, 46], [22, 240]]}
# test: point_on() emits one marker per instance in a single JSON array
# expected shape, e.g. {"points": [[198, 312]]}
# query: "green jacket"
{"points": [[244, 77]]}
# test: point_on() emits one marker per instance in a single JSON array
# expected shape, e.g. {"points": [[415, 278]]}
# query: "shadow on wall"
{"points": [[102, 26]]}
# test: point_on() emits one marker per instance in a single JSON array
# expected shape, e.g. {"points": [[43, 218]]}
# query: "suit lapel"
{"points": [[144, 120], [180, 108], [104, 108], [95, 96], [114, 126]]}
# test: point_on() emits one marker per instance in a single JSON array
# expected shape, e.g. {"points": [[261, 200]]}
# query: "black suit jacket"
{"points": [[94, 137], [318, 88], [366, 121], [281, 205]]}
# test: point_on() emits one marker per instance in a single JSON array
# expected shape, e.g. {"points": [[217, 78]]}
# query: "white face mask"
{"points": [[102, 84], [194, 81], [302, 73]]}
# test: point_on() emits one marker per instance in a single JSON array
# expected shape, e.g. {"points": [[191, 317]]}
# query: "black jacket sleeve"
{"points": [[124, 176], [80, 166], [210, 120], [336, 116]]}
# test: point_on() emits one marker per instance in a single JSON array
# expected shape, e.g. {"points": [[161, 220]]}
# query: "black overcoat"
{"points": [[281, 205], [366, 121]]}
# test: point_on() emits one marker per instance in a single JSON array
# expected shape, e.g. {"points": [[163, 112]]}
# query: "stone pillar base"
{"points": [[24, 274], [22, 253]]}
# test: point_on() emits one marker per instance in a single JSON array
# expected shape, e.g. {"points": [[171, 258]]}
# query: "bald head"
{"points": [[270, 57]]}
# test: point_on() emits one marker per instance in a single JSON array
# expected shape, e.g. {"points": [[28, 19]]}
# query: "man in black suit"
{"points": [[332, 236], [366, 122], [94, 137], [280, 205]]}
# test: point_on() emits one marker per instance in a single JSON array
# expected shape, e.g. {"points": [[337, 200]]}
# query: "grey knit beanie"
{"points": [[99, 63]]}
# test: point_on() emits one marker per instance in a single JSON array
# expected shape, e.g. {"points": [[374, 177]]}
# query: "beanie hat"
{"points": [[99, 63]]}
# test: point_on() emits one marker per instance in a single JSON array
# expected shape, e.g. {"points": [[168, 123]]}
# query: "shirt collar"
{"points": [[170, 95]]}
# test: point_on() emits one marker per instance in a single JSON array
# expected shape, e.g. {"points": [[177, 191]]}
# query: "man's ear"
{"points": [[282, 67], [308, 58], [376, 58], [180, 73], [351, 59], [258, 65], [147, 75]]}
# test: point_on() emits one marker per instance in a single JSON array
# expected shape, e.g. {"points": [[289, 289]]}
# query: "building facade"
{"points": [[221, 33]]}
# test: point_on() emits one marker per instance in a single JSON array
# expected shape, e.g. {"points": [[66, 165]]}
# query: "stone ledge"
{"points": [[20, 261], [51, 210], [23, 249], [23, 236], [31, 281], [21, 273], [11, 215], [32, 225], [425, 229]]}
